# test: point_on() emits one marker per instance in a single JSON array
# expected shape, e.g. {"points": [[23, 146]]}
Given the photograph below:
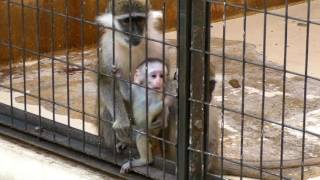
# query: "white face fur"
{"points": [[156, 77]]}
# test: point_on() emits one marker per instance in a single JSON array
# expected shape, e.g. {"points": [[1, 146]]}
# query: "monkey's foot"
{"points": [[120, 147], [120, 125], [125, 168]]}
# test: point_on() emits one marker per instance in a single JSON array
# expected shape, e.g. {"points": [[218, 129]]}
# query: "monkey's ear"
{"points": [[157, 16], [137, 78], [105, 20], [137, 73]]}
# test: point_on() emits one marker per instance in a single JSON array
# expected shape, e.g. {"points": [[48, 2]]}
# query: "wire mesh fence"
{"points": [[240, 93]]}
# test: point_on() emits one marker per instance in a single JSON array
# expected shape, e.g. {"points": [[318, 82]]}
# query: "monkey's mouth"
{"points": [[135, 41], [158, 89]]}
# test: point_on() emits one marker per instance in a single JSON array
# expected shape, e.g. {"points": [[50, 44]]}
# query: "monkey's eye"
{"points": [[161, 75], [153, 76], [126, 21], [139, 20]]}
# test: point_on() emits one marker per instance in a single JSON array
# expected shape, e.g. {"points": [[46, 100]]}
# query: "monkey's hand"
{"points": [[118, 124], [116, 71], [156, 124], [121, 146]]}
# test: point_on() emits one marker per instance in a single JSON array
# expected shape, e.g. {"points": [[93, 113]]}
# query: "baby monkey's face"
{"points": [[155, 80], [155, 75]]}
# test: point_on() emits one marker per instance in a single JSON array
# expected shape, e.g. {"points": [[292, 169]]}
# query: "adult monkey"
{"points": [[129, 18]]}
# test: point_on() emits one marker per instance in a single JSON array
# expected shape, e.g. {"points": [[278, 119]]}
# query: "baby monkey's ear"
{"points": [[138, 77]]}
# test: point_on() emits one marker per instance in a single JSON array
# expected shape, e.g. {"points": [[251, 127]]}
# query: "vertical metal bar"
{"points": [[38, 58], [223, 84], [263, 86], [305, 90], [284, 88], [164, 20], [66, 34], [10, 59], [82, 74], [98, 77], [206, 90], [114, 81], [24, 64], [184, 39], [53, 70], [130, 81], [197, 86], [147, 89], [243, 83]]}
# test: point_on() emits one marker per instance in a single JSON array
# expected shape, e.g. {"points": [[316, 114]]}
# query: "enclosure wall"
{"points": [[73, 10]]}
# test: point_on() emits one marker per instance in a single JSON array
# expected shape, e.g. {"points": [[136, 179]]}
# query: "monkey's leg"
{"points": [[123, 135], [106, 130], [144, 149]]}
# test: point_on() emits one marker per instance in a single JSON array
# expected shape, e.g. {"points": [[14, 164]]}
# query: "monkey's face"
{"points": [[135, 28], [155, 80]]}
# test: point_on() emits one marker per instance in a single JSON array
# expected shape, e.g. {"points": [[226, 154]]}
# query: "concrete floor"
{"points": [[23, 162]]}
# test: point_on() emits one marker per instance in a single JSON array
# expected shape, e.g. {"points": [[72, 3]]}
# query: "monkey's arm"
{"points": [[123, 86], [161, 120], [113, 102], [154, 109]]}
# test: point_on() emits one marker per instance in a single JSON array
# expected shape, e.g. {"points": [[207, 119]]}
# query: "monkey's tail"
{"points": [[293, 163], [232, 168]]}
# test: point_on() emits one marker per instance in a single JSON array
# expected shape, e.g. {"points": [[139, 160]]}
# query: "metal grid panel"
{"points": [[194, 92]]}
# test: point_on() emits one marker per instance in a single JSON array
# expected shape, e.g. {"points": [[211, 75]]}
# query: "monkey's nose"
{"points": [[135, 41]]}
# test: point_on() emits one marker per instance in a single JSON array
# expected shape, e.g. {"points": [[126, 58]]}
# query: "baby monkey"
{"points": [[155, 115]]}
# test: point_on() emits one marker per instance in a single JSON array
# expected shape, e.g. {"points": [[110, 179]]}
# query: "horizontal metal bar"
{"points": [[262, 11], [84, 68], [254, 117], [49, 11], [250, 61], [234, 161], [211, 1], [64, 128], [62, 132], [66, 152]]}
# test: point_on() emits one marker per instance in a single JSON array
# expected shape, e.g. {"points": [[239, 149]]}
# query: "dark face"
{"points": [[137, 28]]}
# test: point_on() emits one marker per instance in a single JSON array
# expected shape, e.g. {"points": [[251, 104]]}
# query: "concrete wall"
{"points": [[73, 39]]}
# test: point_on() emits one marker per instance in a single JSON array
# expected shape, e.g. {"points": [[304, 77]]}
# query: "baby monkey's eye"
{"points": [[161, 75], [153, 75]]}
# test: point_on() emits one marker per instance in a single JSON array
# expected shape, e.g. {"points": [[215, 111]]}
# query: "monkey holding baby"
{"points": [[124, 48]]}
